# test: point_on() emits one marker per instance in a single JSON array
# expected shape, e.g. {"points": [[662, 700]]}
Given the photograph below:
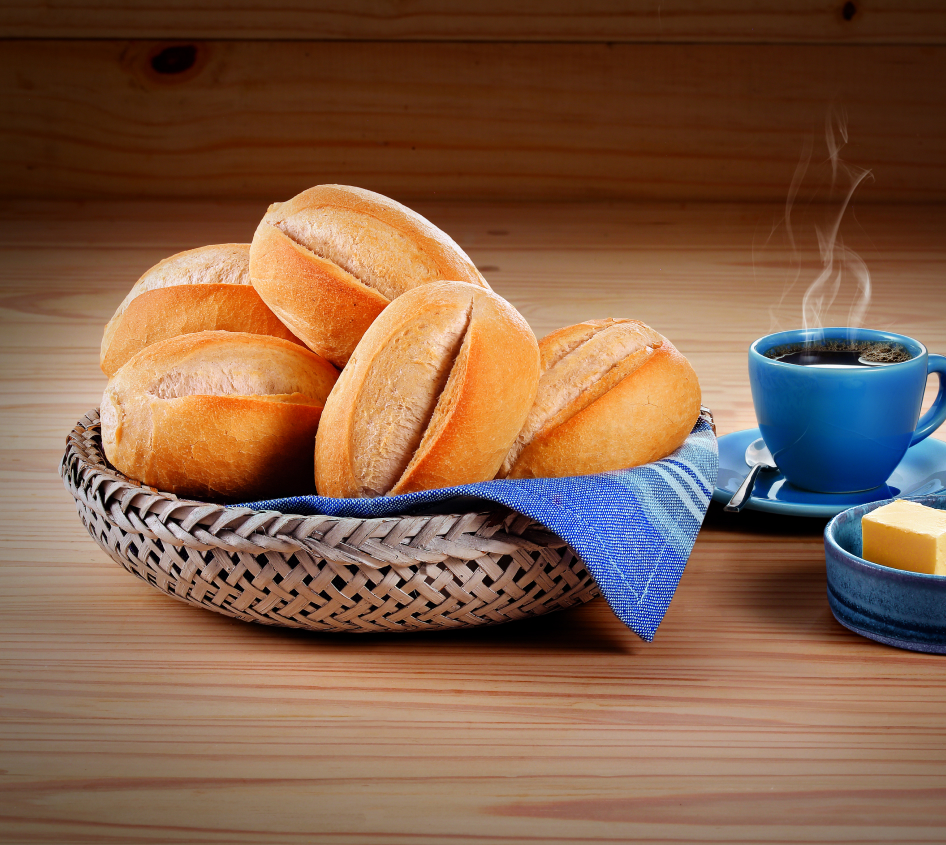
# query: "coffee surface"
{"points": [[824, 358], [839, 353]]}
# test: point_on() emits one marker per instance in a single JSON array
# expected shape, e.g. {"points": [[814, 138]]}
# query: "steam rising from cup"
{"points": [[841, 266]]}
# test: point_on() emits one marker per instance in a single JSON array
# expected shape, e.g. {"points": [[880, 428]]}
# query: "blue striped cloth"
{"points": [[633, 529]]}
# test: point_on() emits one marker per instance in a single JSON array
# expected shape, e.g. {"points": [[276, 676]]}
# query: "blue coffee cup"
{"points": [[842, 429]]}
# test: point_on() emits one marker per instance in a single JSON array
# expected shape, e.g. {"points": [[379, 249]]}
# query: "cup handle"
{"points": [[935, 416]]}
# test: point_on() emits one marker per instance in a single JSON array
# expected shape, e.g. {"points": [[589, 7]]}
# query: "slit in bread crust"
{"points": [[218, 264], [311, 250], [576, 369], [446, 402], [229, 377], [385, 442], [571, 346], [379, 256]]}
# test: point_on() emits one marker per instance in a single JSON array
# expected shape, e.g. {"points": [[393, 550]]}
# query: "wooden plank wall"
{"points": [[666, 100], [716, 21]]}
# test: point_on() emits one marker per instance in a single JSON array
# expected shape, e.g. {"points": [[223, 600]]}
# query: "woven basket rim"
{"points": [[205, 525], [158, 515]]}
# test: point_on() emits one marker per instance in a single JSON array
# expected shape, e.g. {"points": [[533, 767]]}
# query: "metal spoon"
{"points": [[759, 458]]}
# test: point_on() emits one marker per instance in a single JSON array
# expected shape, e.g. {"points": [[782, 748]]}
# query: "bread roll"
{"points": [[329, 260], [613, 394], [199, 290], [433, 395], [219, 415]]}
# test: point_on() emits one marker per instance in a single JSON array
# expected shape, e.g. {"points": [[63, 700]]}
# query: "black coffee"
{"points": [[824, 358], [840, 353]]}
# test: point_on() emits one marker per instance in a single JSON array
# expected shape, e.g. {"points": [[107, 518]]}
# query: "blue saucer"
{"points": [[922, 472]]}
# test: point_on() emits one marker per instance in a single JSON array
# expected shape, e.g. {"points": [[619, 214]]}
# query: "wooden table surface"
{"points": [[128, 717]]}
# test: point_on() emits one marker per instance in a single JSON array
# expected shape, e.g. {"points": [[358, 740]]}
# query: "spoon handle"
{"points": [[741, 496]]}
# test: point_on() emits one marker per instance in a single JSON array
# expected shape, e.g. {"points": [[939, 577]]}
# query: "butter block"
{"points": [[906, 535]]}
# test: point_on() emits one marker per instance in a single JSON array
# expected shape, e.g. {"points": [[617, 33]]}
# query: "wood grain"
{"points": [[753, 717], [508, 121], [755, 21]]}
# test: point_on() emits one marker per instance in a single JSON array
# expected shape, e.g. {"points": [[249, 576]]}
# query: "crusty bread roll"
{"points": [[199, 290], [330, 259], [433, 395], [613, 394], [220, 415]]}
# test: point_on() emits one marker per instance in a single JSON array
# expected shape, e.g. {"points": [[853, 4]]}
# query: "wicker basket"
{"points": [[324, 573]]}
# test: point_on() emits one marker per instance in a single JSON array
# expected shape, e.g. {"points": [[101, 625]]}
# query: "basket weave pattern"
{"points": [[324, 573]]}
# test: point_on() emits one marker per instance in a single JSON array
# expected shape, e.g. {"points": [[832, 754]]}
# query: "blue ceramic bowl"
{"points": [[902, 609]]}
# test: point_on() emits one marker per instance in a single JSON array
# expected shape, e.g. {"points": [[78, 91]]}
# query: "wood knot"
{"points": [[175, 59], [166, 63], [848, 11]]}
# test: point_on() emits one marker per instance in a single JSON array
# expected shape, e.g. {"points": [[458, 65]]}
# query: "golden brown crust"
{"points": [[205, 289], [490, 390], [645, 413], [580, 364], [453, 334], [219, 415], [324, 305], [168, 312], [330, 259]]}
